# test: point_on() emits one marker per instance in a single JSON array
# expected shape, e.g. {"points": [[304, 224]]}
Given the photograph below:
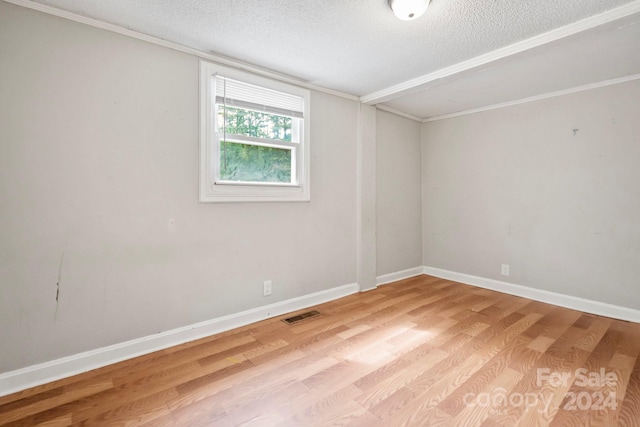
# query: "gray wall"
{"points": [[399, 198], [550, 187], [99, 192]]}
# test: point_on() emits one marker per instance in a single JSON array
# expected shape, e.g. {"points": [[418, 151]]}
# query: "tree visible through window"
{"points": [[252, 123]]}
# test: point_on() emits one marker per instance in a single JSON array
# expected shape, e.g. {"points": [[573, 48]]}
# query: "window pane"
{"points": [[254, 163], [240, 121]]}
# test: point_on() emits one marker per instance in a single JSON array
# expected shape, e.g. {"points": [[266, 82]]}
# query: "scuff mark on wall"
{"points": [[575, 131], [55, 316]]}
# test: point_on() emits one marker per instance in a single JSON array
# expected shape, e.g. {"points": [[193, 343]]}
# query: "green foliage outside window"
{"points": [[254, 163]]}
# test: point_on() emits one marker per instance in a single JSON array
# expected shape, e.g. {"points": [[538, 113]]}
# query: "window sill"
{"points": [[225, 192], [257, 184]]}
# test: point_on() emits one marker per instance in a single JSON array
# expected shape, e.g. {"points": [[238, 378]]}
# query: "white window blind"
{"points": [[244, 95]]}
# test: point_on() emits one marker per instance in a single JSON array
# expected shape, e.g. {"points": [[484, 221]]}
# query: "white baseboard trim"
{"points": [[398, 275], [31, 376], [568, 301]]}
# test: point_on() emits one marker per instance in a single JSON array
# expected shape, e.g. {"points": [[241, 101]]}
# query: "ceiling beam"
{"points": [[448, 73]]}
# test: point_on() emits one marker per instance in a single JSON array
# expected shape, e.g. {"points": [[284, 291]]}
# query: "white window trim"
{"points": [[212, 191]]}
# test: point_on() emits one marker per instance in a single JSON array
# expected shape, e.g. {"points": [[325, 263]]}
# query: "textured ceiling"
{"points": [[354, 46], [601, 54]]}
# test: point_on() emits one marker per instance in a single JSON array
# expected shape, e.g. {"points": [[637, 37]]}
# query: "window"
{"points": [[254, 138]]}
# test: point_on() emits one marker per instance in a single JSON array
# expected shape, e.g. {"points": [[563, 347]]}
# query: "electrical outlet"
{"points": [[505, 270], [267, 287]]}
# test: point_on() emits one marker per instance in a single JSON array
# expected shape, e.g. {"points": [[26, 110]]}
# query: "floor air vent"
{"points": [[301, 317]]}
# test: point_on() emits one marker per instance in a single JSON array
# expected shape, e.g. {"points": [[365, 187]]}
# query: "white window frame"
{"points": [[212, 189]]}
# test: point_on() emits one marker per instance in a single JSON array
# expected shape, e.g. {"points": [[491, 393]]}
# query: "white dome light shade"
{"points": [[408, 9]]}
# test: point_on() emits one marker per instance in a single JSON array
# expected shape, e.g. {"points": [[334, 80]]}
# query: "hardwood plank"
{"points": [[134, 412], [377, 389], [629, 410], [481, 380], [475, 410], [71, 394], [61, 421]]}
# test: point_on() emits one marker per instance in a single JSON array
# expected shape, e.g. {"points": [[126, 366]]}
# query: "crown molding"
{"points": [[219, 59]]}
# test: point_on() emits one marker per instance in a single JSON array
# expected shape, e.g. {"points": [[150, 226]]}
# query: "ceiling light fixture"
{"points": [[408, 10]]}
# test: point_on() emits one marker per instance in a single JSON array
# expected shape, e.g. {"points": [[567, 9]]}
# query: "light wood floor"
{"points": [[422, 351]]}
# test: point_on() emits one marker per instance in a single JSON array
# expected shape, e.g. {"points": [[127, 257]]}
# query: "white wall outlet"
{"points": [[505, 270], [267, 287]]}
